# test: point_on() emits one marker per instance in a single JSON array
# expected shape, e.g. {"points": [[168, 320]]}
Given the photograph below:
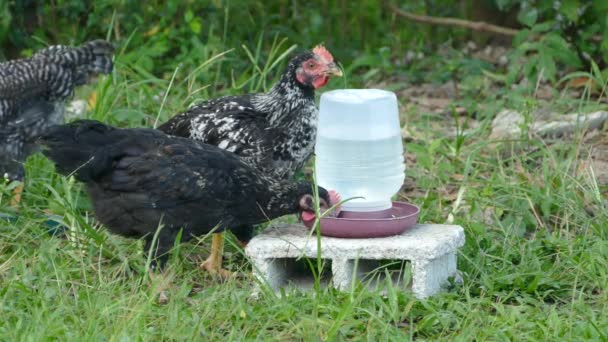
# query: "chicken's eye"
{"points": [[311, 64]]}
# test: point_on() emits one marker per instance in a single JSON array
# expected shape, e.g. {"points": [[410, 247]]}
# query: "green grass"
{"points": [[535, 262]]}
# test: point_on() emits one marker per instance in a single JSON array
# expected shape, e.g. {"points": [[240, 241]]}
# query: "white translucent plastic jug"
{"points": [[359, 150]]}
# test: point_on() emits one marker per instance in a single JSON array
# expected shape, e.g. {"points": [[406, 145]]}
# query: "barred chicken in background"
{"points": [[274, 132], [32, 95]]}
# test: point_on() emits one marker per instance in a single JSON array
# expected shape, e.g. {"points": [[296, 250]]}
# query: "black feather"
{"points": [[140, 178]]}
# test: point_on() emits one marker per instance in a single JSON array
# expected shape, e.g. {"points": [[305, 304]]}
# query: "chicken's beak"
{"points": [[333, 69]]}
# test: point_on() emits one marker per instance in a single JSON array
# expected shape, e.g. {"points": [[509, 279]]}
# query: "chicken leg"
{"points": [[17, 191], [160, 283], [213, 264]]}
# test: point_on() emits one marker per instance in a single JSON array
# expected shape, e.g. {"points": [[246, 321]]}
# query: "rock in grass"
{"points": [[508, 124], [567, 124]]}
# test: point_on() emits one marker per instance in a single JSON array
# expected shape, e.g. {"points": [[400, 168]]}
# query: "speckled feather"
{"points": [[274, 132], [139, 177], [32, 92]]}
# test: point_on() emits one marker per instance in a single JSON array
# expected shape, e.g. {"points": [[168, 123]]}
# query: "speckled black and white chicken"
{"points": [[32, 95], [140, 178], [275, 132]]}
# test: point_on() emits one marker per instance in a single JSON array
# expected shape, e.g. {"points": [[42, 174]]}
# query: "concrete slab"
{"points": [[429, 251]]}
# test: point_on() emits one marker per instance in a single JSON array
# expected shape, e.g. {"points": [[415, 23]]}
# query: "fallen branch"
{"points": [[473, 25]]}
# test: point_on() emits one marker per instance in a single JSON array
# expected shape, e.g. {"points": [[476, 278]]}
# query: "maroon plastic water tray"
{"points": [[355, 225]]}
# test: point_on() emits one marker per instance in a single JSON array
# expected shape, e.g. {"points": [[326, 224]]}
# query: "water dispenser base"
{"points": [[355, 225]]}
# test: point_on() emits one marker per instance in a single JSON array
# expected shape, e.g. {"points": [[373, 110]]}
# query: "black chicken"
{"points": [[141, 178], [32, 92], [274, 132]]}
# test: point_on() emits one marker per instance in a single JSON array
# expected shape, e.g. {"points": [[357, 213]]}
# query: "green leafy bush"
{"points": [[556, 36], [566, 34]]}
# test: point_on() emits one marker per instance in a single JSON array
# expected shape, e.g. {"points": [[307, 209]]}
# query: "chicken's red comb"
{"points": [[322, 52], [334, 198]]}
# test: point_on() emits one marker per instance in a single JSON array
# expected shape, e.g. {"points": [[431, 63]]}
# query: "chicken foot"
{"points": [[213, 264], [16, 199]]}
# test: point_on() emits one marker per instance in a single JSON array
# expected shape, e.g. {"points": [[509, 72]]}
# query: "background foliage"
{"points": [[557, 34]]}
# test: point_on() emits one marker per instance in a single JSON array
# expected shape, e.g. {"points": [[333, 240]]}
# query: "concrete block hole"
{"points": [[378, 274], [298, 272]]}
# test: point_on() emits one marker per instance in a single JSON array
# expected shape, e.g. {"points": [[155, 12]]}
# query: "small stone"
{"points": [[488, 50], [409, 56], [405, 134], [163, 298], [503, 60], [507, 125]]}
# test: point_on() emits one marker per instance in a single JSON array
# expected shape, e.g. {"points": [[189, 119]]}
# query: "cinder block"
{"points": [[279, 257]]}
